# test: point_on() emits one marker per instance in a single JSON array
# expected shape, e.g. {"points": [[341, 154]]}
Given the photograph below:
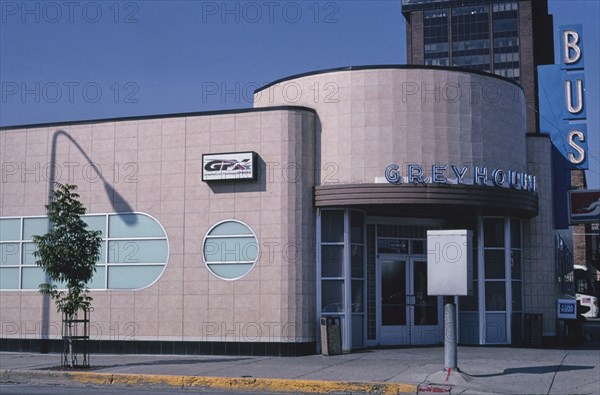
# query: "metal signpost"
{"points": [[450, 274]]}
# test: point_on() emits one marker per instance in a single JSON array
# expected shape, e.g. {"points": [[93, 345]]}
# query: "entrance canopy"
{"points": [[428, 200]]}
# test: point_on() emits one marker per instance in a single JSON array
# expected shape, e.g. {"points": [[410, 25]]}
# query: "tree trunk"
{"points": [[71, 361]]}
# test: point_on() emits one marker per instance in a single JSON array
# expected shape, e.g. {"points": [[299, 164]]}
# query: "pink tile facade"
{"points": [[154, 166]]}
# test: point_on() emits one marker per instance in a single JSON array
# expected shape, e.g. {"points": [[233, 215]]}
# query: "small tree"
{"points": [[68, 254]]}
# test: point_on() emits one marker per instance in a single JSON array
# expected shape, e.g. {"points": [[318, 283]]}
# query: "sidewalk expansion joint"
{"points": [[556, 372]]}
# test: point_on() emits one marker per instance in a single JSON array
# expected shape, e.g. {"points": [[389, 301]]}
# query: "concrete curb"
{"points": [[222, 383]]}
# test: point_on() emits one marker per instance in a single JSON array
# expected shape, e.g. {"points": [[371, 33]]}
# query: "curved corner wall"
{"points": [[372, 117]]}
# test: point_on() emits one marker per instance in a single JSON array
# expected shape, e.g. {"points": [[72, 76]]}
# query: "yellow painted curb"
{"points": [[242, 383]]}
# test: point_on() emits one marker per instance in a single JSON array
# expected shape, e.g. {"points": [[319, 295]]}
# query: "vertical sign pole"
{"points": [[450, 354], [450, 274]]}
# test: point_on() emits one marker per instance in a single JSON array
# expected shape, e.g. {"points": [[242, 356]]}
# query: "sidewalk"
{"points": [[486, 370]]}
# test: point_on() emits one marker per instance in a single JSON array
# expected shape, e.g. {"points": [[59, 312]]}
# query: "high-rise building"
{"points": [[488, 35]]}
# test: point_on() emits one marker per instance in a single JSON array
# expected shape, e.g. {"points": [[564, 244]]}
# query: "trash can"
{"points": [[533, 330], [331, 335]]}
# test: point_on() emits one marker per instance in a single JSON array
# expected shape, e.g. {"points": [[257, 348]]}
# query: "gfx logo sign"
{"points": [[229, 166]]}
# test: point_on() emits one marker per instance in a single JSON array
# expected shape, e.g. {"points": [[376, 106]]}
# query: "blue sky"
{"points": [[65, 61]]}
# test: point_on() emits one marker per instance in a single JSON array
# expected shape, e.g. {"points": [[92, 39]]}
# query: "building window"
{"points": [[341, 269], [469, 305], [332, 261], [230, 249], [471, 37], [516, 274], [133, 253], [505, 27], [501, 280], [494, 276], [435, 25]]}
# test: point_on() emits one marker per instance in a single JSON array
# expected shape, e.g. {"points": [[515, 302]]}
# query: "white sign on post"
{"points": [[450, 262]]}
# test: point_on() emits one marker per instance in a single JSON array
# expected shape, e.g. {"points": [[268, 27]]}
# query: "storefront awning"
{"points": [[429, 200]]}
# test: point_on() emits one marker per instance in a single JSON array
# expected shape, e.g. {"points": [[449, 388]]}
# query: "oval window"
{"points": [[133, 255]]}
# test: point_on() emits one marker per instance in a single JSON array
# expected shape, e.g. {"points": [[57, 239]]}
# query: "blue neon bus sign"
{"points": [[562, 99]]}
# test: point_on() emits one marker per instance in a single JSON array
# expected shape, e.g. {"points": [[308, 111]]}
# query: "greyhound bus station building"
{"points": [[233, 232]]}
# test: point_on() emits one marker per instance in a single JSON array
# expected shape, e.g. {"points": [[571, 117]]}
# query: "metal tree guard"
{"points": [[75, 334]]}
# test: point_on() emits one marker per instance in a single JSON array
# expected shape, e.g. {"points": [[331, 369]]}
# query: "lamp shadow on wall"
{"points": [[241, 186], [119, 204], [117, 201]]}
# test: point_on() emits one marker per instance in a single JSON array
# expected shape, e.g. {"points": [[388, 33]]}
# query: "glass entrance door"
{"points": [[426, 311], [393, 299], [407, 314]]}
